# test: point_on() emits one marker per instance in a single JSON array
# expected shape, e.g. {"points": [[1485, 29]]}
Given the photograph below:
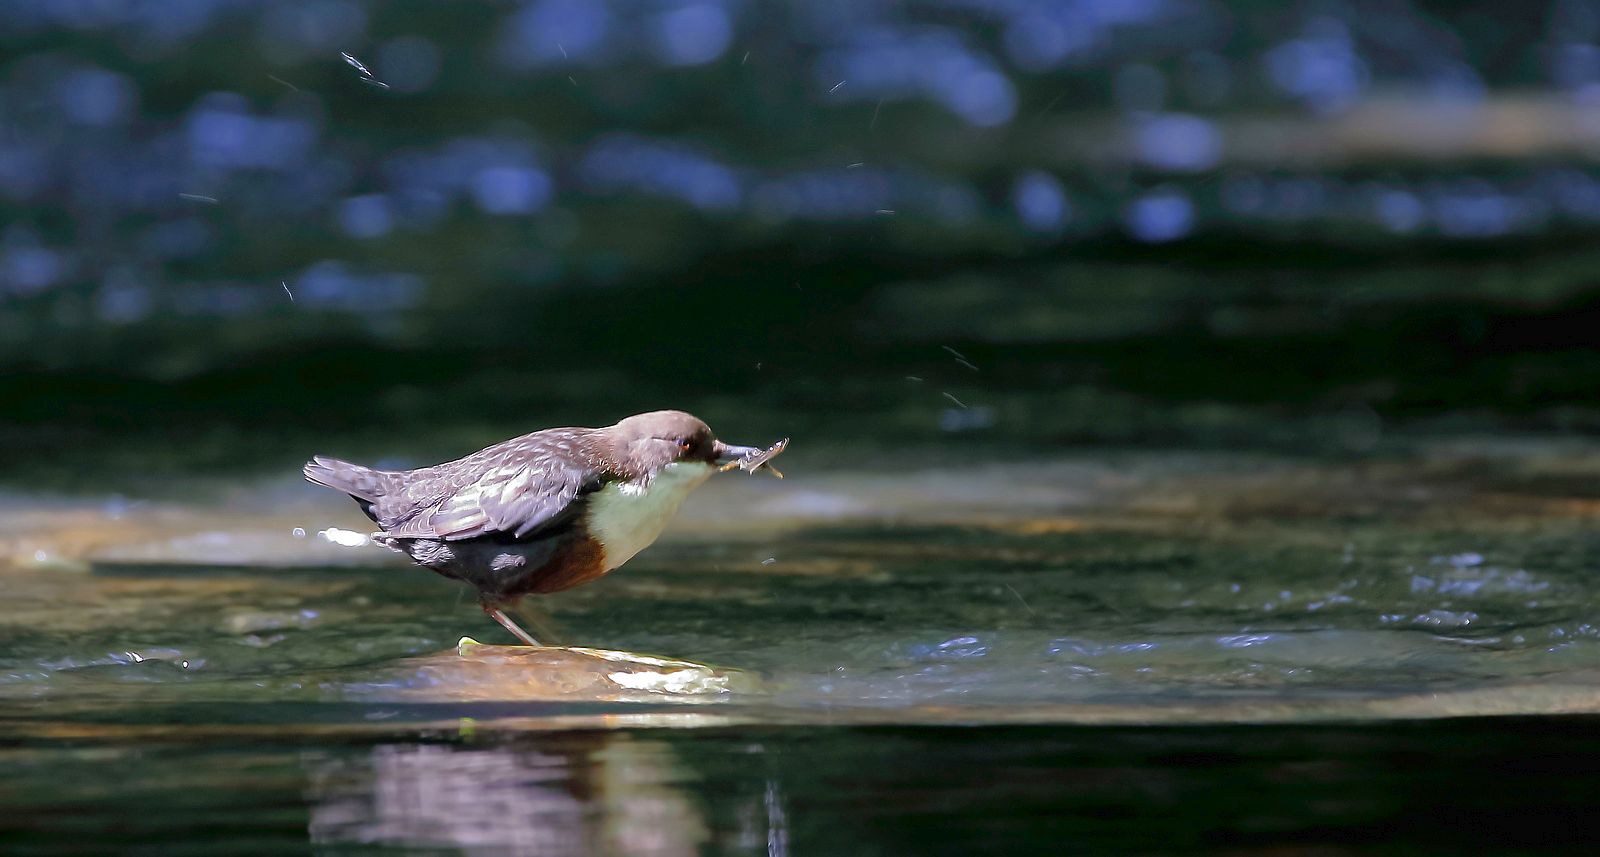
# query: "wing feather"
{"points": [[513, 495]]}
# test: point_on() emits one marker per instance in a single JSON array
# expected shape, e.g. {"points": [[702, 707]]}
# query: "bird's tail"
{"points": [[362, 483]]}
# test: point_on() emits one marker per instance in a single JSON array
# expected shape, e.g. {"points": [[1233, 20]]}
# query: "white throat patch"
{"points": [[626, 517]]}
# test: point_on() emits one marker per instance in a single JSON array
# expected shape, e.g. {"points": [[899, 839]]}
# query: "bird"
{"points": [[543, 512]]}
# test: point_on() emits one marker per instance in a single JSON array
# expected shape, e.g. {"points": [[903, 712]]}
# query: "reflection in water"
{"points": [[777, 823], [575, 793]]}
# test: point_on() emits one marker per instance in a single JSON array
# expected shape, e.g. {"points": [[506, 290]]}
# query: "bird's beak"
{"points": [[727, 453]]}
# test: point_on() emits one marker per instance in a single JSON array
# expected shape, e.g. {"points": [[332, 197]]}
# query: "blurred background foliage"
{"points": [[936, 228]]}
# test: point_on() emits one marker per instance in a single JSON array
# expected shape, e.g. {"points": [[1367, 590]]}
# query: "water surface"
{"points": [[214, 664]]}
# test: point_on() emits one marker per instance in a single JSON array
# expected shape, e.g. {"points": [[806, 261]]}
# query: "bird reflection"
{"points": [[548, 795]]}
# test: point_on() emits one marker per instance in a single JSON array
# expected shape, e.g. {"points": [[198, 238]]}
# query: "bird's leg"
{"points": [[500, 616]]}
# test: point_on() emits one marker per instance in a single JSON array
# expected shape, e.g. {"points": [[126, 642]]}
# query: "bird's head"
{"points": [[654, 441]]}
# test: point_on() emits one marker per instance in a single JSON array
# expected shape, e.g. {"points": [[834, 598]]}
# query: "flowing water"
{"points": [[1193, 415], [1255, 651]]}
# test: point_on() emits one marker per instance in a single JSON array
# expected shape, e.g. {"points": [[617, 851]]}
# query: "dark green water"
{"points": [[1510, 786], [1137, 651], [1203, 555]]}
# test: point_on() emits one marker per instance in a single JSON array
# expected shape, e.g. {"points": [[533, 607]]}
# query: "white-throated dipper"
{"points": [[543, 512]]}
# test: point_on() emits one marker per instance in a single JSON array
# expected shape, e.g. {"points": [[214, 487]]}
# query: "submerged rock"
{"points": [[484, 673]]}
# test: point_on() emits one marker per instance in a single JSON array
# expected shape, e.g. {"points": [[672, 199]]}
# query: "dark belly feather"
{"points": [[502, 569]]}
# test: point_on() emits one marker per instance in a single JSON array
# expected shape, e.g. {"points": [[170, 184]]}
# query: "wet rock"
{"points": [[478, 672]]}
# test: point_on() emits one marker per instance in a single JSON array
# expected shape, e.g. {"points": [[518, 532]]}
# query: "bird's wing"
{"points": [[516, 496]]}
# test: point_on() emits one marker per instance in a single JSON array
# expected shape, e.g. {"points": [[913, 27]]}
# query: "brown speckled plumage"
{"points": [[515, 518]]}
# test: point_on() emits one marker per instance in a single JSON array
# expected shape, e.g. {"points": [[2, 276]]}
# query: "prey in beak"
{"points": [[749, 458]]}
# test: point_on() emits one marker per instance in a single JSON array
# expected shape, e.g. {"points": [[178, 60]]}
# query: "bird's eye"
{"points": [[685, 445]]}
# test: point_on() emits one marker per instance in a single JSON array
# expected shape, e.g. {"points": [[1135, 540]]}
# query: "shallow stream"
{"points": [[1087, 640]]}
